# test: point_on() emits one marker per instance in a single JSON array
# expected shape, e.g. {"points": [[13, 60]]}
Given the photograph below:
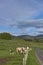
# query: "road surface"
{"points": [[39, 55]]}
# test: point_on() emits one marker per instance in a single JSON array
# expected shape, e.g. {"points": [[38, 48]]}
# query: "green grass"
{"points": [[16, 59], [32, 60]]}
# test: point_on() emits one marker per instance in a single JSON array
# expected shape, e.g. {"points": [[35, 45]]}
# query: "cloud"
{"points": [[18, 12], [40, 30], [21, 15], [23, 27], [6, 21], [22, 24], [29, 23]]}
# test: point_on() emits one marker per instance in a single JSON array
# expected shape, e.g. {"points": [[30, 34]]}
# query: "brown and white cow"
{"points": [[19, 50], [11, 52]]}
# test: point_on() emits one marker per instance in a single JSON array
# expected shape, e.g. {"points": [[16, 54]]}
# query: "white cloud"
{"points": [[40, 30]]}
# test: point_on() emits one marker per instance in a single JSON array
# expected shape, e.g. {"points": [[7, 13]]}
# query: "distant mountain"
{"points": [[40, 36], [26, 36], [30, 37]]}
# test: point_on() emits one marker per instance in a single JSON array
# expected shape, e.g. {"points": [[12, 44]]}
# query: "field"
{"points": [[17, 59]]}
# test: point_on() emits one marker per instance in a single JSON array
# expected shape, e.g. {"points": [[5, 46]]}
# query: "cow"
{"points": [[19, 50], [28, 48], [11, 52], [23, 49]]}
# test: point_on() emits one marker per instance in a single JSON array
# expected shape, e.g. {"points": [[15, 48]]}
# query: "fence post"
{"points": [[23, 61], [25, 58]]}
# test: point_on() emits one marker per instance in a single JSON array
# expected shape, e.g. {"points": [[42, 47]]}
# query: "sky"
{"points": [[21, 17]]}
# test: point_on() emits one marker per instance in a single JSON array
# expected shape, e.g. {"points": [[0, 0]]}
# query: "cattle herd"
{"points": [[20, 50]]}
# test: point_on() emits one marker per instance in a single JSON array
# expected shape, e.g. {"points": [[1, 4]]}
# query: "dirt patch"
{"points": [[4, 60]]}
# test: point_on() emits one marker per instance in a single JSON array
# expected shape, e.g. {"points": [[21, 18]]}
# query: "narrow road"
{"points": [[39, 55]]}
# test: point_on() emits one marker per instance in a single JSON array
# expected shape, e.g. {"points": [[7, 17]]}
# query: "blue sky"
{"points": [[21, 17]]}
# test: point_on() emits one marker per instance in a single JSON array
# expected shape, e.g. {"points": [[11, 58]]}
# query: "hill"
{"points": [[38, 38], [5, 35]]}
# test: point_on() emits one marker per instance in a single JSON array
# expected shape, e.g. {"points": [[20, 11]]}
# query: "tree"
{"points": [[5, 35]]}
